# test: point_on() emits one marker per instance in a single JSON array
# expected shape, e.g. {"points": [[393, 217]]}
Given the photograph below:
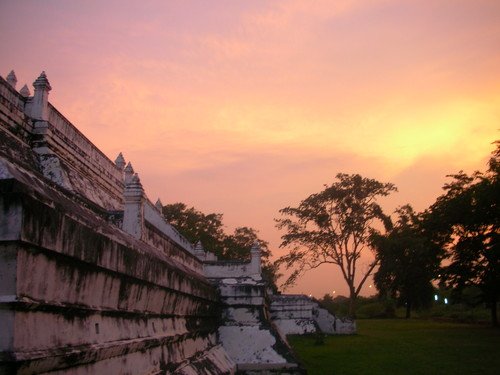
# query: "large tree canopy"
{"points": [[197, 226], [209, 230], [465, 222], [334, 226], [408, 262]]}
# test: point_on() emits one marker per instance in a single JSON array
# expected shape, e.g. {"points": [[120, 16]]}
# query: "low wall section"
{"points": [[299, 314]]}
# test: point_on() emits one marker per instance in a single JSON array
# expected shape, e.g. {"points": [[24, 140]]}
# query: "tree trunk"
{"points": [[408, 310], [352, 304], [494, 316]]}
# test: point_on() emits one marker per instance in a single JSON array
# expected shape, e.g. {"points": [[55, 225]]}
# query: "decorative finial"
{"points": [[129, 169], [255, 247], [25, 91], [42, 83], [133, 214], [200, 252], [255, 260], [12, 79], [159, 205], [199, 247], [136, 180], [129, 172], [120, 161], [40, 104], [133, 186]]}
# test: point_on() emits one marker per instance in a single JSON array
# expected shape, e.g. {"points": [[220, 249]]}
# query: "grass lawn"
{"points": [[389, 347]]}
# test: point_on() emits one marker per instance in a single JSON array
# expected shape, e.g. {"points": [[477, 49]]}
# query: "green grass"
{"points": [[391, 347]]}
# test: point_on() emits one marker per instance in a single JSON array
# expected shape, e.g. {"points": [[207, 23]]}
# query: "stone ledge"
{"points": [[62, 215], [70, 356]]}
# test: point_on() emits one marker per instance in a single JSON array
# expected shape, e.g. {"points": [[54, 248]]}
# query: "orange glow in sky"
{"points": [[245, 107]]}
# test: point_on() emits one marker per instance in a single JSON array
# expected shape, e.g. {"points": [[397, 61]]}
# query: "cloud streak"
{"points": [[246, 107]]}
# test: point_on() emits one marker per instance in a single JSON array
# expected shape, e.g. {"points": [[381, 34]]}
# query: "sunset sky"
{"points": [[245, 107]]}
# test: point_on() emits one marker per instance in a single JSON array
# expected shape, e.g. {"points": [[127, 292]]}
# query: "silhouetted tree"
{"points": [[197, 226], [408, 262], [237, 245], [209, 230], [465, 222], [334, 227]]}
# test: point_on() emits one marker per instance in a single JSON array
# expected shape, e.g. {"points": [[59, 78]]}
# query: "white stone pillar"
{"points": [[129, 173], [40, 108], [133, 215], [159, 206], [255, 262], [199, 251], [12, 79]]}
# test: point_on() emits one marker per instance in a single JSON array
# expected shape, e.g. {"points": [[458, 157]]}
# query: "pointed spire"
{"points": [[129, 169], [120, 161], [12, 79], [129, 172], [133, 188], [256, 247], [255, 258], [199, 251], [136, 181], [159, 205], [39, 110], [199, 247], [25, 91], [133, 214], [42, 82]]}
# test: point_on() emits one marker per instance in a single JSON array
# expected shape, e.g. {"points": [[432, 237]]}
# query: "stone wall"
{"points": [[247, 333], [293, 314], [12, 114], [220, 269], [79, 295], [299, 314], [154, 217], [67, 156]]}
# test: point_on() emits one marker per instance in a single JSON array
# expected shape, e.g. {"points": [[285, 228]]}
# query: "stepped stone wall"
{"points": [[81, 293], [298, 314]]}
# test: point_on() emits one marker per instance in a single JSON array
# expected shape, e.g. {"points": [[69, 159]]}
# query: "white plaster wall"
{"points": [[84, 293], [216, 355], [227, 269], [249, 344], [12, 97], [206, 358], [247, 334], [66, 283], [153, 216], [295, 326], [78, 148], [298, 314]]}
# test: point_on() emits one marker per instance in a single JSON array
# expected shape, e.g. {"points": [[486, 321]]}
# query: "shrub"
{"points": [[372, 310]]}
